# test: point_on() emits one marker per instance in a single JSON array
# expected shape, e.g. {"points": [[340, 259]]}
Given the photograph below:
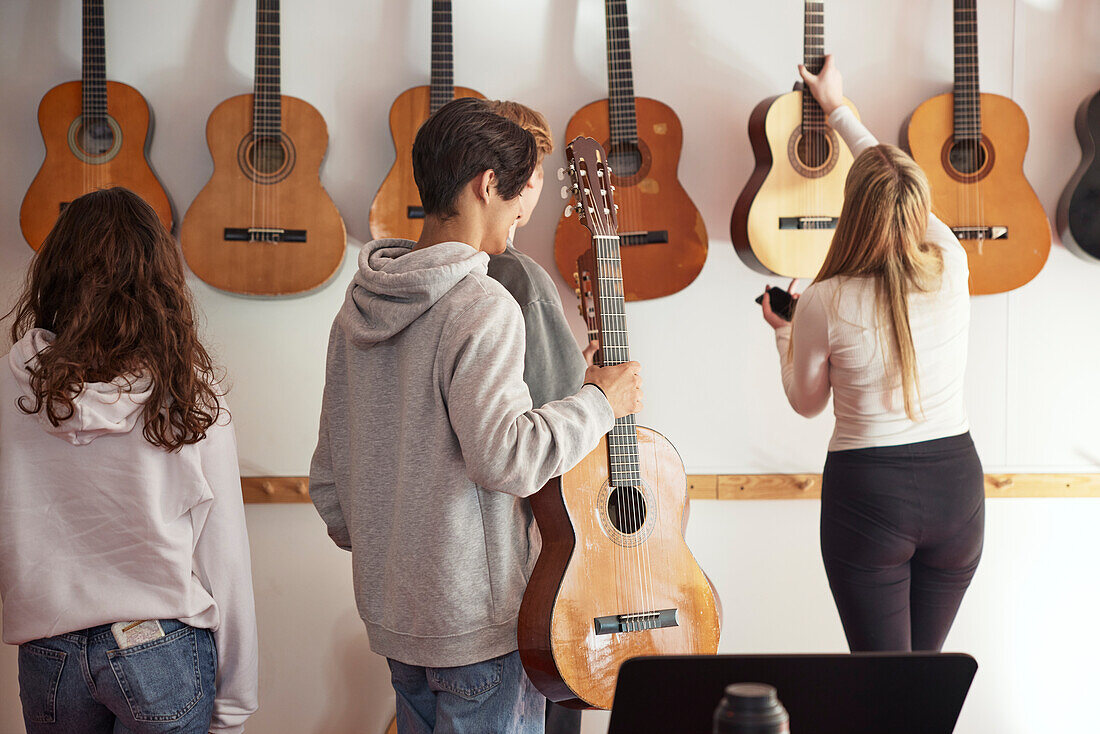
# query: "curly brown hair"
{"points": [[108, 281]]}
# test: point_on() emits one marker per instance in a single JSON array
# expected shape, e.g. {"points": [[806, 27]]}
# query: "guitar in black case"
{"points": [[1079, 207]]}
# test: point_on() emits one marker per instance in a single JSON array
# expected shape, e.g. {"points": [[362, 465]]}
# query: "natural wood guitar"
{"points": [[615, 578], [663, 236], [784, 219], [971, 146], [396, 210], [263, 225], [97, 135], [1079, 208]]}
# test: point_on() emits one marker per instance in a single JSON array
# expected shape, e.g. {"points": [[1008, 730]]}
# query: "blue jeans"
{"points": [[493, 696], [81, 683]]}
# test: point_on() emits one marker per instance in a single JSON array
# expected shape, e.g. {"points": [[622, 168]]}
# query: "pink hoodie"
{"points": [[97, 526]]}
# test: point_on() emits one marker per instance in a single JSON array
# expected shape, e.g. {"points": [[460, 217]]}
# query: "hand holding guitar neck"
{"points": [[621, 384], [826, 86]]}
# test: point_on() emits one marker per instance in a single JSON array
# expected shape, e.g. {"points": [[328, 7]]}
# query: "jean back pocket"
{"points": [[160, 679], [39, 676], [470, 682]]}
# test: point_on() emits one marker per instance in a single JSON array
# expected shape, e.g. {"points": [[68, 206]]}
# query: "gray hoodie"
{"points": [[428, 445]]}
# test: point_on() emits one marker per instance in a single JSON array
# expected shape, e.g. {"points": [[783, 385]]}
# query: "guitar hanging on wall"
{"points": [[615, 578], [97, 135], [971, 146], [396, 210], [1079, 207], [784, 219], [663, 236], [263, 224]]}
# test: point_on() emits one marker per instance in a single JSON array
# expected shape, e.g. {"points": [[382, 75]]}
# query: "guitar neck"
{"points": [[610, 323], [620, 74], [267, 110], [93, 76], [968, 105], [813, 58], [443, 75]]}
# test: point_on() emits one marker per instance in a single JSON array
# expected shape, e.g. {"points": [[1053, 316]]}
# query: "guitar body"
{"points": [[69, 171], [783, 187], [1079, 208], [583, 573], [389, 212], [995, 195], [288, 195], [651, 200]]}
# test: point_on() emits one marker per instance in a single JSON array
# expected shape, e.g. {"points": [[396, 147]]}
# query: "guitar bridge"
{"points": [[807, 222], [635, 622], [981, 233], [651, 237], [263, 234]]}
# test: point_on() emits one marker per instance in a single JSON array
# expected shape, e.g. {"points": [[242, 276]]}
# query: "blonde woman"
{"points": [[884, 329]]}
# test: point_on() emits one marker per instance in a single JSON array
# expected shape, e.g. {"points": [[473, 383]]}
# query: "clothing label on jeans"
{"points": [[128, 634]]}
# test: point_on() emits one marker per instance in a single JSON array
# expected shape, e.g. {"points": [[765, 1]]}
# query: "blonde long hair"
{"points": [[881, 235]]}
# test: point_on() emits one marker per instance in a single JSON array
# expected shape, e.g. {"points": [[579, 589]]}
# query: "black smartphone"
{"points": [[781, 302]]}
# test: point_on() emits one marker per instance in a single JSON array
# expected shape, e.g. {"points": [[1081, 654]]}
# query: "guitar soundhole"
{"points": [[967, 156], [96, 138], [625, 159], [968, 161], [812, 153], [266, 158], [95, 141], [626, 509], [814, 149]]}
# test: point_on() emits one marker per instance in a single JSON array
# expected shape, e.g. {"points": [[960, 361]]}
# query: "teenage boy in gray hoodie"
{"points": [[428, 441]]}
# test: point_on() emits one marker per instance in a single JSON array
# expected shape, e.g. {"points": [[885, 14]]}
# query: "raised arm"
{"points": [[828, 89]]}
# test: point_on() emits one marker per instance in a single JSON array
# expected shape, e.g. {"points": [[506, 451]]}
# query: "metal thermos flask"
{"points": [[750, 708]]}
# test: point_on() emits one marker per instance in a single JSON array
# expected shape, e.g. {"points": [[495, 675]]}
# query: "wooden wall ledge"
{"points": [[750, 486]]}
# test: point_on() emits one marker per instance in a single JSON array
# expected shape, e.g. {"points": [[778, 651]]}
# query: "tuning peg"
{"points": [[576, 278], [568, 210], [561, 174], [566, 192]]}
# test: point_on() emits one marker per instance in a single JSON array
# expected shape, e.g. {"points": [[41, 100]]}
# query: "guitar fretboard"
{"points": [[622, 441], [620, 75], [93, 76], [968, 106], [267, 110], [443, 75], [813, 58]]}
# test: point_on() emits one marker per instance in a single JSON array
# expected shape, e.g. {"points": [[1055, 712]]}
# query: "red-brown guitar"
{"points": [[615, 578]]}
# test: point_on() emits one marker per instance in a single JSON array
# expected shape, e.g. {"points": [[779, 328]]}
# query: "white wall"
{"points": [[709, 362]]}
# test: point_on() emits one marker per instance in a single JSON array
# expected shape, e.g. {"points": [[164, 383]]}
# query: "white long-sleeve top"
{"points": [[838, 345], [99, 526]]}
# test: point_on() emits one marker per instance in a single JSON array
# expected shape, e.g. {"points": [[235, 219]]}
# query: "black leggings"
{"points": [[901, 536]]}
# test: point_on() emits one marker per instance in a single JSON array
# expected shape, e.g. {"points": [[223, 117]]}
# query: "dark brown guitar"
{"points": [[263, 225], [97, 135], [663, 236], [396, 210], [615, 578]]}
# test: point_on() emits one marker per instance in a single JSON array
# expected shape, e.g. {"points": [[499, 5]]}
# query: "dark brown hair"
{"points": [[108, 281], [460, 141]]}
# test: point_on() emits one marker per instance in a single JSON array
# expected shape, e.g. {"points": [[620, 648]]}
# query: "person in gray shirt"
{"points": [[429, 443], [553, 365]]}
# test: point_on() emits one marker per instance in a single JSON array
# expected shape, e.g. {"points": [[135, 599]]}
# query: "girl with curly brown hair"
{"points": [[124, 562]]}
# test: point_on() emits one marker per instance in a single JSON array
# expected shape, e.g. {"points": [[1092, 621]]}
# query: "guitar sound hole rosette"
{"points": [[640, 515]]}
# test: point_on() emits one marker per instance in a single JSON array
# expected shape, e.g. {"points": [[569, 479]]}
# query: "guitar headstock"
{"points": [[592, 187]]}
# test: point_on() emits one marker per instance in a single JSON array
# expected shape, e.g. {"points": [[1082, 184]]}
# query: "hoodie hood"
{"points": [[100, 408], [395, 285]]}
